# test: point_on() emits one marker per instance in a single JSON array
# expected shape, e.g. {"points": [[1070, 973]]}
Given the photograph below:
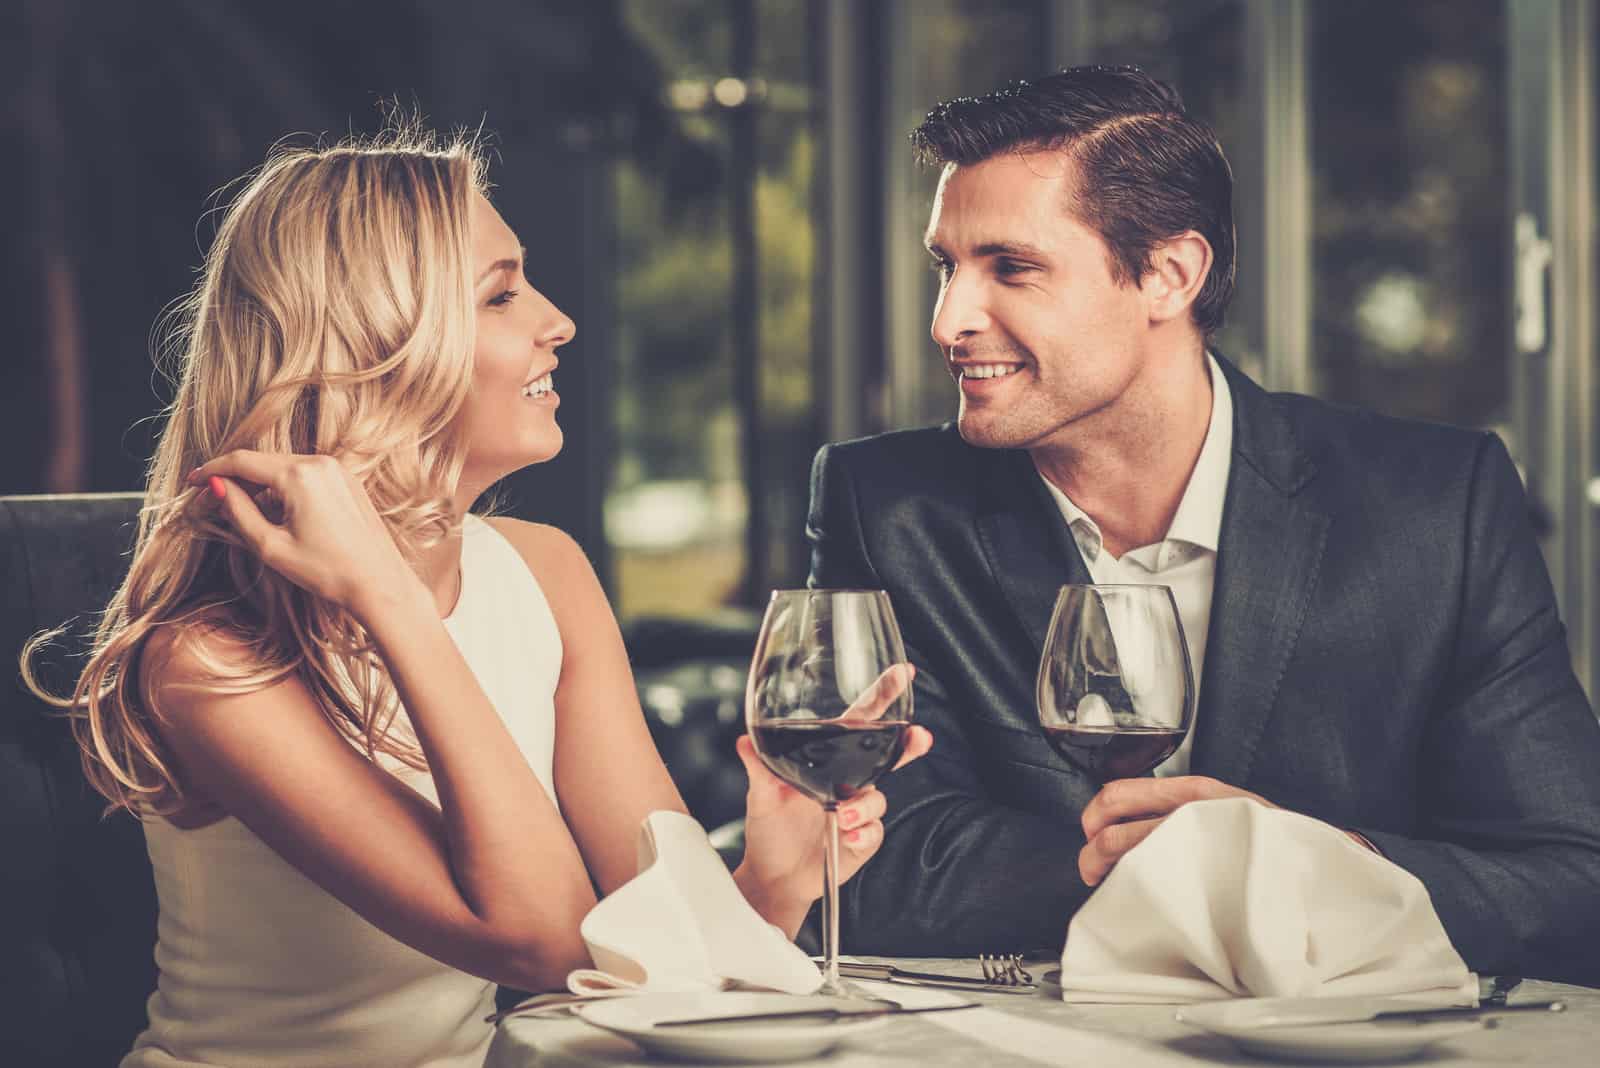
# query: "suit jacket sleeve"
{"points": [[1509, 843], [957, 873]]}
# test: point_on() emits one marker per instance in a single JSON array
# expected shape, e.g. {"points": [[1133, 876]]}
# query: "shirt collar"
{"points": [[1198, 519]]}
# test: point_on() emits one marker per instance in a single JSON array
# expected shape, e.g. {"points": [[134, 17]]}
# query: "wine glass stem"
{"points": [[830, 900]]}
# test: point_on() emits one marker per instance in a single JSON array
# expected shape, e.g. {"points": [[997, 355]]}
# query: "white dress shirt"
{"points": [[1186, 559]]}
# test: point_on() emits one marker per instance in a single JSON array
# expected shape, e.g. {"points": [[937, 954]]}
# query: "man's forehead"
{"points": [[1014, 166], [1014, 191]]}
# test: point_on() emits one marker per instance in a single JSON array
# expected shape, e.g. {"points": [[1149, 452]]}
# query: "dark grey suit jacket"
{"points": [[1385, 654]]}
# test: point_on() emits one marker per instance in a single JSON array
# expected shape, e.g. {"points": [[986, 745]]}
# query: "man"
{"points": [[1373, 630]]}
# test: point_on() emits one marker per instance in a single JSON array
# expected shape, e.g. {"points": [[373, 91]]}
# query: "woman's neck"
{"points": [[440, 569]]}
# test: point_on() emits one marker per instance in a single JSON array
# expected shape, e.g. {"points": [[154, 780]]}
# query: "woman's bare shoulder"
{"points": [[554, 557], [186, 670], [201, 650], [570, 585]]}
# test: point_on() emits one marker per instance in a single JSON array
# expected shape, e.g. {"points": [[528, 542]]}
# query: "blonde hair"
{"points": [[334, 315]]}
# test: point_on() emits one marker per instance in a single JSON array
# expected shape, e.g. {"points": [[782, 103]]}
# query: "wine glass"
{"points": [[828, 706], [1116, 690]]}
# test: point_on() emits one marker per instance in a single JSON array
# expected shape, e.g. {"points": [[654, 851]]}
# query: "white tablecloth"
{"points": [[1041, 1029]]}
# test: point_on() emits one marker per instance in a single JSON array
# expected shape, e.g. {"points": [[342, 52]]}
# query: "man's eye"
{"points": [[503, 298], [1008, 268], [941, 268]]}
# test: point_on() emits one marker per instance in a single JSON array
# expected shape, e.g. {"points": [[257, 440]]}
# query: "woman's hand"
{"points": [[781, 874], [327, 539]]}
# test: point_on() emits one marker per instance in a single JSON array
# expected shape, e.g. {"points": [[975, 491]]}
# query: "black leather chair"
{"points": [[77, 901]]}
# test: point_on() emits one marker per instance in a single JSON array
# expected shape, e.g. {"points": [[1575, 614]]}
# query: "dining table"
{"points": [[1039, 1028]]}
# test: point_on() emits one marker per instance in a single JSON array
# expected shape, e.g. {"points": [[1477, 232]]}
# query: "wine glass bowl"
{"points": [[828, 707], [829, 760], [1116, 691]]}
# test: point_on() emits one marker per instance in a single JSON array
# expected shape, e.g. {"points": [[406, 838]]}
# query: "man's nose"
{"points": [[959, 314]]}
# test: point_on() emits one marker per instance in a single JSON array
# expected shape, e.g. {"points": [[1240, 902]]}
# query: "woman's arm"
{"points": [[607, 771], [491, 881], [609, 775]]}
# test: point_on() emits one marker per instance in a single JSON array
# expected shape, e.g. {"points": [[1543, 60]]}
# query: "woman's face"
{"points": [[510, 414]]}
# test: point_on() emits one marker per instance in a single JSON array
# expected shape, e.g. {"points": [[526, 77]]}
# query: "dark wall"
{"points": [[121, 122]]}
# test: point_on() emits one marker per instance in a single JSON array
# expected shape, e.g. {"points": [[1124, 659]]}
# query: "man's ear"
{"points": [[1178, 268]]}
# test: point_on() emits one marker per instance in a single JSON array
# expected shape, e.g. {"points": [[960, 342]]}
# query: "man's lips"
{"points": [[983, 375]]}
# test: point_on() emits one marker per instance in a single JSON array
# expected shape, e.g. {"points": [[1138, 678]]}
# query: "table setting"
{"points": [[1039, 1027], [1281, 939]]}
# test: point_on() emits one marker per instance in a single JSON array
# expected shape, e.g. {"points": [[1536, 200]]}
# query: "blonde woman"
{"points": [[386, 752]]}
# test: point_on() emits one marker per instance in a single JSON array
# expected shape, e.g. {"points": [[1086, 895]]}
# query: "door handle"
{"points": [[1533, 255]]}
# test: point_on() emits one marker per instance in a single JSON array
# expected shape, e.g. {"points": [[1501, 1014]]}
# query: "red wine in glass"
{"points": [[829, 761], [1114, 752]]}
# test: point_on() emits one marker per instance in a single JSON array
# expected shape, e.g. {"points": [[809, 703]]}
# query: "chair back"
{"points": [[77, 900]]}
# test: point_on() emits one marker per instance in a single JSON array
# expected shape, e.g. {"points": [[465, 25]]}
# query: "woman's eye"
{"points": [[503, 298]]}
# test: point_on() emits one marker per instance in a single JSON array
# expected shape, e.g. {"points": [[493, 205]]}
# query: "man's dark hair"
{"points": [[1146, 170]]}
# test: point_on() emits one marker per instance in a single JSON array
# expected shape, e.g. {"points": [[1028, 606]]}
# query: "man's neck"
{"points": [[1128, 466]]}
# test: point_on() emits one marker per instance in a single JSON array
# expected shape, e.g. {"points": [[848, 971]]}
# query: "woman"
{"points": [[386, 752]]}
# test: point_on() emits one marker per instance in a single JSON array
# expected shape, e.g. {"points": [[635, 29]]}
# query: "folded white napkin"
{"points": [[683, 924], [1230, 898]]}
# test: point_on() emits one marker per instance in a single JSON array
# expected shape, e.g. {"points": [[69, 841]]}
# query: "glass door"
{"points": [[1551, 278]]}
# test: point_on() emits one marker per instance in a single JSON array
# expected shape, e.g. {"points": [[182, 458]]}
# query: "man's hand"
{"points": [[1125, 811]]}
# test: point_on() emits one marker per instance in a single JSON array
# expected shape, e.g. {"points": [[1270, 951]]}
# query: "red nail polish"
{"points": [[219, 489]]}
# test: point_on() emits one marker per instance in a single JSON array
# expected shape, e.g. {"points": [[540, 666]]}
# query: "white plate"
{"points": [[1243, 1022], [634, 1018]]}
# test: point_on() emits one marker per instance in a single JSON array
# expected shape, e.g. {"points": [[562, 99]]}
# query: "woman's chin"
{"points": [[489, 470], [548, 447]]}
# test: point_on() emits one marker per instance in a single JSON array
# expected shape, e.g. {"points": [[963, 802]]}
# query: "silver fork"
{"points": [[1004, 969]]}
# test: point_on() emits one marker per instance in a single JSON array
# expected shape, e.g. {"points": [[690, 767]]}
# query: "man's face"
{"points": [[1034, 330]]}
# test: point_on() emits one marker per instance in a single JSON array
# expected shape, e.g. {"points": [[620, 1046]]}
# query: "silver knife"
{"points": [[890, 973], [1309, 1015], [814, 1014]]}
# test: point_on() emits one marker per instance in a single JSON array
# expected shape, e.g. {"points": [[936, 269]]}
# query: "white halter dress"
{"points": [[260, 966]]}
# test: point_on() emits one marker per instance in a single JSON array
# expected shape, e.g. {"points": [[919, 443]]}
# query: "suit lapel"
{"points": [[1273, 535], [1030, 550]]}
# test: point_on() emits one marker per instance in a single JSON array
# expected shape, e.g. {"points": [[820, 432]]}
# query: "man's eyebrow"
{"points": [[992, 248], [1010, 248], [502, 265]]}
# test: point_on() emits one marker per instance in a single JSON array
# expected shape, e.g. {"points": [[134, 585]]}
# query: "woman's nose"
{"points": [[555, 327]]}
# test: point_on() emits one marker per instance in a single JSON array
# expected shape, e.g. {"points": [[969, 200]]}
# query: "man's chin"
{"points": [[986, 432]]}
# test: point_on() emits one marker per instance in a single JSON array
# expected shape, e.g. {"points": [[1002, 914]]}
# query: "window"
{"points": [[1409, 207], [712, 392]]}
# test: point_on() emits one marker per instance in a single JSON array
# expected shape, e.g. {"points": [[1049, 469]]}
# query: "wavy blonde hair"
{"points": [[334, 316]]}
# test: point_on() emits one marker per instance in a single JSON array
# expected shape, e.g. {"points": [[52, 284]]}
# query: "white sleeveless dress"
{"points": [[260, 966]]}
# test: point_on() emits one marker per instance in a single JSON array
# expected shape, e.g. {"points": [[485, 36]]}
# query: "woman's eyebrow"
{"points": [[503, 265]]}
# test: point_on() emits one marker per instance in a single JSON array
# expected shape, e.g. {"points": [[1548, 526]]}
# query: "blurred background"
{"points": [[721, 195]]}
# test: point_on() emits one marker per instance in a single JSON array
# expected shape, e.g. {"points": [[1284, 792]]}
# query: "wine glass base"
{"points": [[843, 988]]}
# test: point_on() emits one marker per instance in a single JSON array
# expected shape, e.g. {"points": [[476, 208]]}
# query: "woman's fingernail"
{"points": [[853, 836], [219, 489], [849, 818]]}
